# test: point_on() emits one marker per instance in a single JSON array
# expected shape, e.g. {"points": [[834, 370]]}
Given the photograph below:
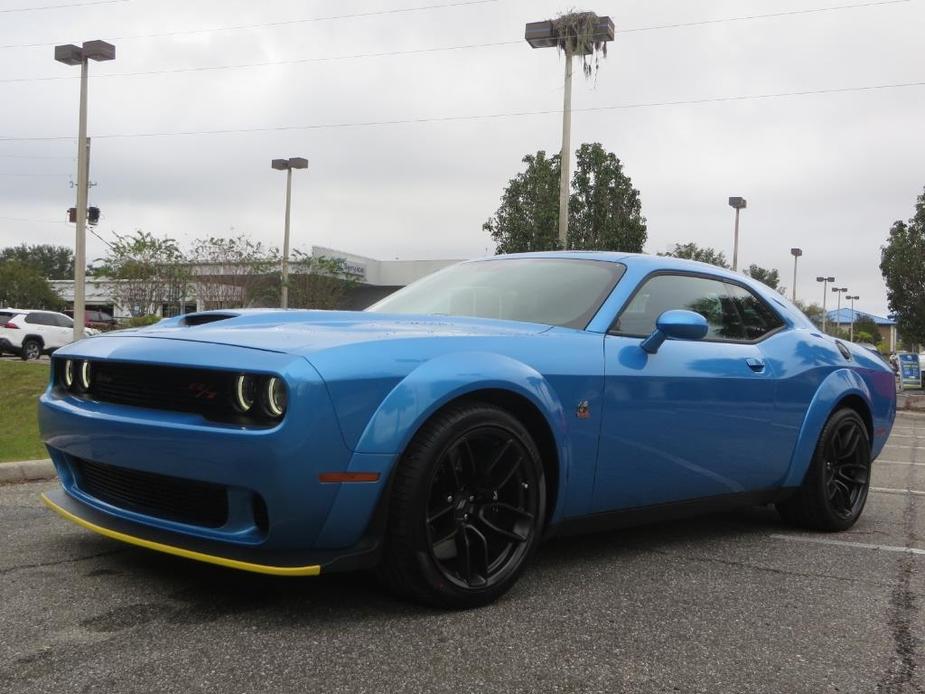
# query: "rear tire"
{"points": [[31, 349], [835, 488], [467, 508]]}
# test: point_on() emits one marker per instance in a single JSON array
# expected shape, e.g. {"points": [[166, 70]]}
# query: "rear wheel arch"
{"points": [[857, 403]]}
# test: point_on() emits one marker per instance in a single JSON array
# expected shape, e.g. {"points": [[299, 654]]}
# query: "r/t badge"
{"points": [[584, 410]]}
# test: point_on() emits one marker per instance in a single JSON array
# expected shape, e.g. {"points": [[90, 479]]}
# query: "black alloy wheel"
{"points": [[482, 507], [835, 488], [467, 508], [847, 473]]}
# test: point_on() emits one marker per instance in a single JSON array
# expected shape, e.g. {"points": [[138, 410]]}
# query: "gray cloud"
{"points": [[827, 172]]}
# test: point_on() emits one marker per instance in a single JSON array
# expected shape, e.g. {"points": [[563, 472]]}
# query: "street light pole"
{"points": [[287, 165], [853, 316], [69, 54], [838, 291], [796, 253], [561, 34], [738, 204], [565, 153], [825, 283]]}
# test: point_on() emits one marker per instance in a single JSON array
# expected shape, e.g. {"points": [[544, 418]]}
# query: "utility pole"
{"points": [[738, 204], [796, 253], [287, 165], [561, 34], [825, 283], [69, 54]]}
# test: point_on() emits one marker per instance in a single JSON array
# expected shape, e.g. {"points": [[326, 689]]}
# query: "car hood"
{"points": [[305, 332]]}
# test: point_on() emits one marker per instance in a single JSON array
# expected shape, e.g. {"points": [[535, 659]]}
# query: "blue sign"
{"points": [[910, 374]]}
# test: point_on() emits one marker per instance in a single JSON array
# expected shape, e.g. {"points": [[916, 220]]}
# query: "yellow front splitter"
{"points": [[310, 570]]}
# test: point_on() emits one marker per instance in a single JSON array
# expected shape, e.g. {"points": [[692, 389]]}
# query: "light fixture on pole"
{"points": [[69, 54], [738, 204], [796, 253], [287, 165], [550, 34], [854, 316], [839, 291], [825, 283]]}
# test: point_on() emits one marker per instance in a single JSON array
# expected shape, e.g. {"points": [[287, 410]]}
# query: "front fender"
{"points": [[450, 376], [834, 388]]}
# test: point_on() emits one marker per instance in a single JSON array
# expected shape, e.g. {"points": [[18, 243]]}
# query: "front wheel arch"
{"points": [[529, 415]]}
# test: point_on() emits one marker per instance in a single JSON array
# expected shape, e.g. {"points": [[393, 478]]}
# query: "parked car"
{"points": [[98, 320], [443, 433], [30, 334]]}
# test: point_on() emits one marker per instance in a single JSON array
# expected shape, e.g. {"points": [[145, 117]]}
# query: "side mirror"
{"points": [[678, 325]]}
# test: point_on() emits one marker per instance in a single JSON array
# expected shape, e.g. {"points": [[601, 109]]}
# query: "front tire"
{"points": [[31, 349], [835, 489], [467, 508]]}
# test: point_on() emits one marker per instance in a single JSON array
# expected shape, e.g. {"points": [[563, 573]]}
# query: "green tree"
{"points": [[812, 311], [528, 218], [768, 277], [866, 325], [149, 271], [234, 272], [605, 212], [51, 262], [691, 251], [22, 286], [320, 283], [902, 262]]}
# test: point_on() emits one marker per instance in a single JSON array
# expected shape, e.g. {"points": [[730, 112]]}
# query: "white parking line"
{"points": [[906, 436], [897, 462], [893, 445], [843, 543], [888, 490]]}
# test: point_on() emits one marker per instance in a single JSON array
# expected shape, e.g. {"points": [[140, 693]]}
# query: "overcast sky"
{"points": [[827, 172]]}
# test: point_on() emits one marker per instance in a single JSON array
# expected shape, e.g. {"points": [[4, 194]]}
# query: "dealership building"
{"points": [[374, 279]]}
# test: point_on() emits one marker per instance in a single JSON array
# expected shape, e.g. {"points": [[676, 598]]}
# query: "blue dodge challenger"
{"points": [[440, 435]]}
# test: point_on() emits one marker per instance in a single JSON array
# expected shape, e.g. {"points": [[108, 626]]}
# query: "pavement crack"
{"points": [[759, 567], [901, 673], [40, 565]]}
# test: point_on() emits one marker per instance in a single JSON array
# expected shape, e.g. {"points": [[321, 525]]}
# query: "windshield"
{"points": [[552, 291]]}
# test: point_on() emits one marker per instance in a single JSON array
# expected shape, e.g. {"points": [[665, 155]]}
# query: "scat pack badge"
{"points": [[584, 410]]}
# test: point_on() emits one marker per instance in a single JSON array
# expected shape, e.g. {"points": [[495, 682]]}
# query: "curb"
{"points": [[26, 471]]}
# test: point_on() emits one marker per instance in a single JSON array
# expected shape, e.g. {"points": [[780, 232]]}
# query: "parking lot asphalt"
{"points": [[735, 602]]}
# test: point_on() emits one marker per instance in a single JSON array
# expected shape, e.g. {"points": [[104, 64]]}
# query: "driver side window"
{"points": [[722, 304]]}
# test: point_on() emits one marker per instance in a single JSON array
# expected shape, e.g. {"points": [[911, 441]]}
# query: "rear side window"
{"points": [[732, 312], [40, 319], [758, 319]]}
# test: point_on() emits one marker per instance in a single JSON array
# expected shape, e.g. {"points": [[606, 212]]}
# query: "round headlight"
{"points": [[275, 397], [68, 373], [85, 375], [245, 388]]}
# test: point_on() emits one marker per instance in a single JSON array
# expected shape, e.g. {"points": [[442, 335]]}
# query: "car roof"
{"points": [[656, 262]]}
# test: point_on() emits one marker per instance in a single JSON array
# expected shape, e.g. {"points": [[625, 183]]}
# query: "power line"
{"points": [[36, 221], [294, 61], [433, 49], [283, 22], [482, 116], [62, 7], [769, 15], [32, 156]]}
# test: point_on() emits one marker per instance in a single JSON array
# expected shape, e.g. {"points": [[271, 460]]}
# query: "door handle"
{"points": [[756, 365]]}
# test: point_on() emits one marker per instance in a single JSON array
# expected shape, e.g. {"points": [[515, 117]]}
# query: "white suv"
{"points": [[33, 333]]}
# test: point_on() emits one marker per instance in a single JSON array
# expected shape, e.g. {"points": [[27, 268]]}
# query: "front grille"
{"points": [[163, 387], [170, 498]]}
